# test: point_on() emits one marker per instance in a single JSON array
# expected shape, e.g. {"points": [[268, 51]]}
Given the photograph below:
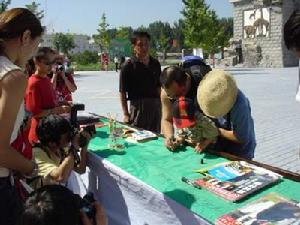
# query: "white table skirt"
{"points": [[127, 200]]}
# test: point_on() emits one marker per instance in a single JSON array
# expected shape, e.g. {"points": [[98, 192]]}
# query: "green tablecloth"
{"points": [[153, 164]]}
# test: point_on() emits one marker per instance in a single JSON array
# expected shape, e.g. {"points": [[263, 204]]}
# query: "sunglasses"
{"points": [[48, 63]]}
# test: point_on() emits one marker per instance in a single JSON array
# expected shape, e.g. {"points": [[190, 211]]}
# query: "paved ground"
{"points": [[271, 93]]}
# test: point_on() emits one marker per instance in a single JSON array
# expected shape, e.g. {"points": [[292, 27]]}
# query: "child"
{"points": [[55, 159], [40, 99], [195, 129]]}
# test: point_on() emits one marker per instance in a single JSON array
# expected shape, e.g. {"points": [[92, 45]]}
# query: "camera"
{"points": [[75, 123], [85, 204], [74, 109], [60, 68]]}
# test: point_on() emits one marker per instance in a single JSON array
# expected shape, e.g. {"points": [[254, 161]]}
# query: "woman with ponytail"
{"points": [[20, 34]]}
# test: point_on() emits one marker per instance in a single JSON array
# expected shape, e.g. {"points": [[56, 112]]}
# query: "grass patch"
{"points": [[92, 67]]}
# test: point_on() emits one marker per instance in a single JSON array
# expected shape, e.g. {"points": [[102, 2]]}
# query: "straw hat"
{"points": [[217, 93]]}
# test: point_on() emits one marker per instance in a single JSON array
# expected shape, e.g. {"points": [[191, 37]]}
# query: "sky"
{"points": [[83, 16]]}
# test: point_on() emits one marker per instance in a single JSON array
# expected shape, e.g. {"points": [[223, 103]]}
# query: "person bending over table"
{"points": [[176, 83], [193, 128], [219, 97]]}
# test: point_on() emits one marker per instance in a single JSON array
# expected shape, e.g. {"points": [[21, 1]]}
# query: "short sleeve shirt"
{"points": [[140, 81], [242, 124], [45, 164], [40, 96]]}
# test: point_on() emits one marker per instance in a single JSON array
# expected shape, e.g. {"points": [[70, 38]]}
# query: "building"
{"points": [[82, 43], [258, 32]]}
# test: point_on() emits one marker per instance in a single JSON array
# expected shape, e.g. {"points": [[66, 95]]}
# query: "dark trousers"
{"points": [[10, 203], [146, 114]]}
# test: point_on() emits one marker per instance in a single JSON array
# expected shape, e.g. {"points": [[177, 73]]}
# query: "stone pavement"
{"points": [[271, 93]]}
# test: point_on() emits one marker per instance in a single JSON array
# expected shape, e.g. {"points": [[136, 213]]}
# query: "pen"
{"points": [[189, 182]]}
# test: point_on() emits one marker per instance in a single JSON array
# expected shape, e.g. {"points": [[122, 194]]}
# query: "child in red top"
{"points": [[63, 82], [40, 95]]}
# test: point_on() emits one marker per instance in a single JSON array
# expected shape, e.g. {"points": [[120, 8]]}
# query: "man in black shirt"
{"points": [[140, 85]]}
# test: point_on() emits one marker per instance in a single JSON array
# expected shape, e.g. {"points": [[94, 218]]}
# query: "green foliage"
{"points": [[93, 67], [124, 32], [64, 42], [103, 37], [112, 33], [85, 58], [197, 22], [34, 8], [178, 34], [202, 28], [87, 67], [162, 36], [4, 5], [227, 24]]}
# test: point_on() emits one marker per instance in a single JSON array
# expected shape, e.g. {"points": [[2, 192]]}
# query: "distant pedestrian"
{"points": [[116, 61], [122, 61], [105, 61]]}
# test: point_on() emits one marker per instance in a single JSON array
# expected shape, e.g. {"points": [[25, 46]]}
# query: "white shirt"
{"points": [[7, 66]]}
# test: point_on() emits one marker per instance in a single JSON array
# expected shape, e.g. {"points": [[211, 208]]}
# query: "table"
{"points": [[142, 184]]}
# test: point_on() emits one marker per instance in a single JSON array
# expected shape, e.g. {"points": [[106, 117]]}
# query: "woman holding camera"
{"points": [[63, 82], [41, 99], [55, 158], [20, 34]]}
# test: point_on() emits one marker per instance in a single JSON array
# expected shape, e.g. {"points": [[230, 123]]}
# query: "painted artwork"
{"points": [[257, 23]]}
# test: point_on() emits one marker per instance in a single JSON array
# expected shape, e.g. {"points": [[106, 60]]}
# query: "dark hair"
{"points": [[52, 204], [30, 67], [51, 128], [43, 53], [292, 31], [14, 22], [139, 34], [172, 74]]}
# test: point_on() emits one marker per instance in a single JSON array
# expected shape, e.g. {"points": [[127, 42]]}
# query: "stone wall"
{"points": [[265, 51]]}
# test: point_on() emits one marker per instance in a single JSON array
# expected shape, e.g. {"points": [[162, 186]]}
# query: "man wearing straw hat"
{"points": [[219, 97]]}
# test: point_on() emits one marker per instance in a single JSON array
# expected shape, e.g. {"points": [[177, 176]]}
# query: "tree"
{"points": [[34, 8], [85, 58], [161, 36], [227, 25], [64, 42], [4, 5], [178, 35], [102, 38], [112, 33], [202, 27], [215, 37], [124, 32], [197, 22]]}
